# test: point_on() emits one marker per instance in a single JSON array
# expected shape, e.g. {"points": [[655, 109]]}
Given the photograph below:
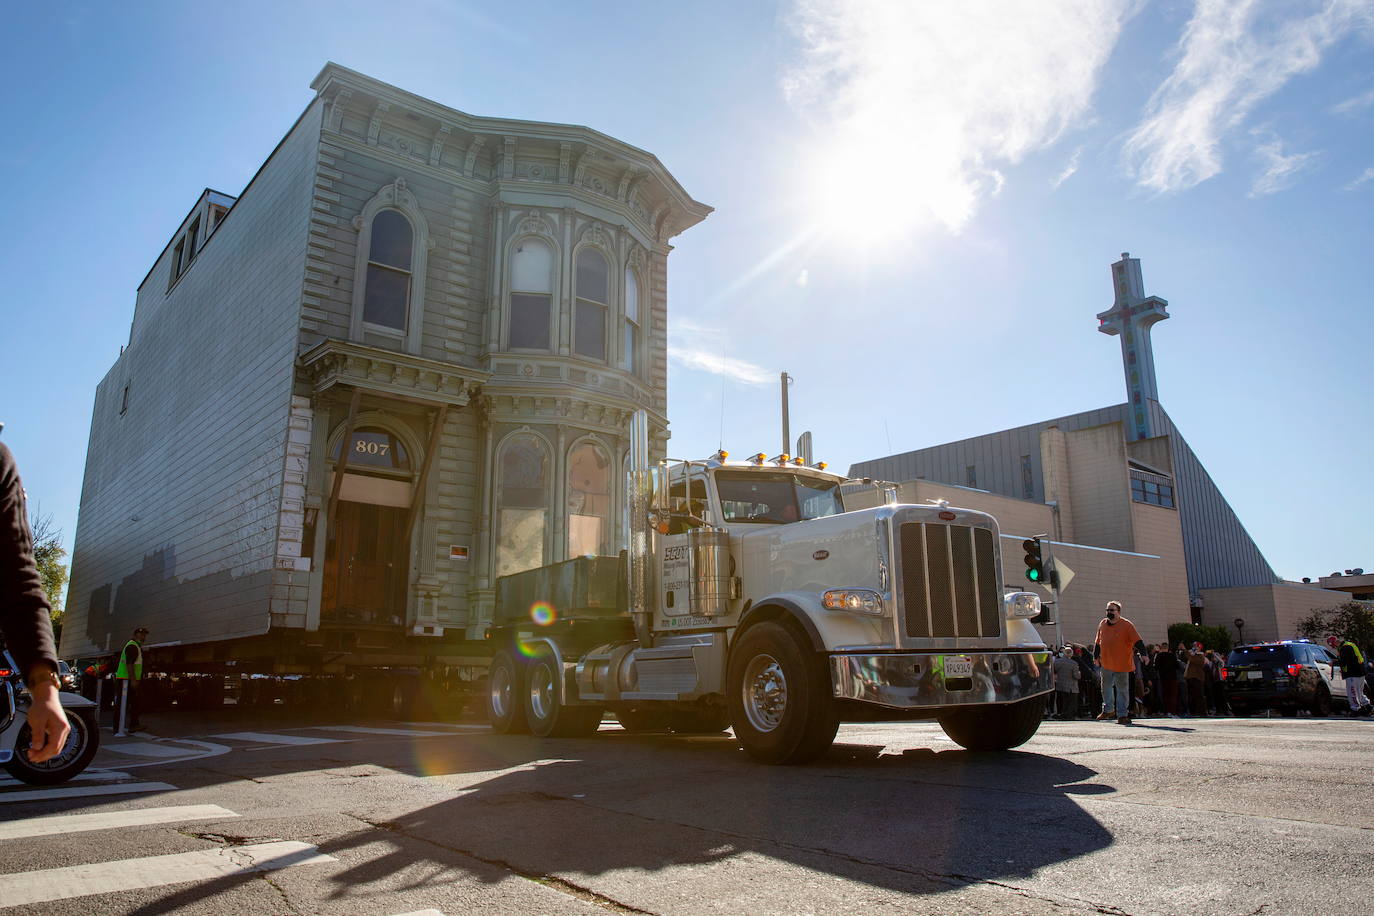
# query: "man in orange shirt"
{"points": [[1114, 649]]}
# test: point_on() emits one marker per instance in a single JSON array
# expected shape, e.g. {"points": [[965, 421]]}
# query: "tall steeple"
{"points": [[1131, 316]]}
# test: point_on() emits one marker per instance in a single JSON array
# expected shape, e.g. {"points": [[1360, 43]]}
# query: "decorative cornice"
{"points": [[436, 146], [564, 157], [336, 109], [508, 158], [374, 126], [339, 362], [470, 160]]}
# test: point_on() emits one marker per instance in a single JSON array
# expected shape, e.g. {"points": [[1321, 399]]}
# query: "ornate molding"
{"points": [[470, 160], [580, 170], [386, 372], [564, 158], [436, 145], [536, 222], [336, 109], [374, 126], [576, 412], [636, 258], [508, 158], [395, 194], [593, 234]]}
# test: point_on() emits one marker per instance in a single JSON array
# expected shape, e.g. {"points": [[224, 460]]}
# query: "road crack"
{"points": [[562, 885]]}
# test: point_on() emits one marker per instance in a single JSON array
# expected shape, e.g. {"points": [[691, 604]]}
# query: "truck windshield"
{"points": [[775, 499]]}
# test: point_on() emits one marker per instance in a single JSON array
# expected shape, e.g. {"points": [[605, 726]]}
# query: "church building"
{"points": [[400, 364]]}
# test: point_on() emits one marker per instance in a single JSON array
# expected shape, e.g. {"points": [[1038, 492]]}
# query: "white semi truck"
{"points": [[750, 597]]}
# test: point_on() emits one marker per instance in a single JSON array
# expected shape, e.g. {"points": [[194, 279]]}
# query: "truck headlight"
{"points": [[854, 600], [1021, 604]]}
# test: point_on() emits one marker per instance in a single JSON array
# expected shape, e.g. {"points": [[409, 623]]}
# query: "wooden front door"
{"points": [[365, 565]]}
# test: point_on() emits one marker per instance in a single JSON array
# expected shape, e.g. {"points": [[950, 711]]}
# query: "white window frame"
{"points": [[606, 344], [395, 196], [552, 292]]}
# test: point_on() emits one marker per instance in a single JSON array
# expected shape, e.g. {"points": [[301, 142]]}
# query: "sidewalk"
{"points": [[142, 749]]}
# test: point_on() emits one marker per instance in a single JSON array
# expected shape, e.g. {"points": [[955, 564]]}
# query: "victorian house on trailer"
{"points": [[400, 364]]}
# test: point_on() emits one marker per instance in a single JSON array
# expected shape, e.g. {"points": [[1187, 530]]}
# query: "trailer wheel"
{"points": [[994, 728], [505, 690], [548, 715], [779, 696]]}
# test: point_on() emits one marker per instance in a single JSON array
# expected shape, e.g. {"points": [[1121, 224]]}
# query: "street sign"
{"points": [[1064, 573]]}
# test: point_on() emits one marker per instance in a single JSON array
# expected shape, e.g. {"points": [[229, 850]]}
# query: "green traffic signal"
{"points": [[1035, 563]]}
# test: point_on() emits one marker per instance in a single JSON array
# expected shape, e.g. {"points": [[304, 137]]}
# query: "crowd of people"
{"points": [[1120, 677]]}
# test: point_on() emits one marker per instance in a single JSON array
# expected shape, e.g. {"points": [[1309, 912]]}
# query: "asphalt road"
{"points": [[254, 813]]}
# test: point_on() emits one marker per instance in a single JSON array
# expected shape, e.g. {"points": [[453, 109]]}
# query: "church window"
{"points": [[631, 321], [386, 299], [522, 504], [593, 286], [589, 500], [531, 295]]}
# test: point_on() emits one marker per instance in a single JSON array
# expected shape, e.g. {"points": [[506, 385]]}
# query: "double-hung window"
{"points": [[386, 298], [593, 293]]}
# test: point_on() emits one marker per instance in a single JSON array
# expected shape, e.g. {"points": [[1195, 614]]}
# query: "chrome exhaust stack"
{"points": [[646, 491]]}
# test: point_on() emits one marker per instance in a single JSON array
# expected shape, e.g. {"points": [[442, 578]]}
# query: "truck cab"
{"points": [[754, 595]]}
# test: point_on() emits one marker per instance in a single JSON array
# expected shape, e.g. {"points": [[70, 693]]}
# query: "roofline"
{"points": [[332, 72]]}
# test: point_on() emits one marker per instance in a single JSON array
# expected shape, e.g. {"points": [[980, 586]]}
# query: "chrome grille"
{"points": [[949, 581]]}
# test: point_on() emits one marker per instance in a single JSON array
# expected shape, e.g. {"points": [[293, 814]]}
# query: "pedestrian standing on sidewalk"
{"points": [[1166, 663], [129, 676], [1352, 669], [26, 618], [1067, 674], [1195, 675], [1115, 647]]}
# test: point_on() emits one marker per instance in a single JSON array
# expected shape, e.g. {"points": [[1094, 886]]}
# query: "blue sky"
{"points": [[916, 208]]}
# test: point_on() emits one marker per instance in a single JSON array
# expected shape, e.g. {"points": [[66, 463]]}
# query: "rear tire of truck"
{"points": [[545, 710], [1321, 707], [994, 728], [779, 696], [505, 695]]}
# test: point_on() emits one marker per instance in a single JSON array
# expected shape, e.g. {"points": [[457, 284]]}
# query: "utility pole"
{"points": [[786, 429]]}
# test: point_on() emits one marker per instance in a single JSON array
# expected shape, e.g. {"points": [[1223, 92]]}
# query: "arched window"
{"points": [[593, 292], [631, 358], [375, 449], [589, 500], [386, 298], [531, 295], [389, 270], [522, 504]]}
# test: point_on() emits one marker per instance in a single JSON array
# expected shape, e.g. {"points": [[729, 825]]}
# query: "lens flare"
{"points": [[542, 613]]}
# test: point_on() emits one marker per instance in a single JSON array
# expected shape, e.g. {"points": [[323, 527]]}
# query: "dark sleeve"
{"points": [[129, 657], [24, 609]]}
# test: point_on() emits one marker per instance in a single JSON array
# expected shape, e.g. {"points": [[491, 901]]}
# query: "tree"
{"points": [[1352, 620], [49, 554], [1218, 638]]}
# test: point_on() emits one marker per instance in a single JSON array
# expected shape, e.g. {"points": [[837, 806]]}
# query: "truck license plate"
{"points": [[1254, 675], [958, 666]]}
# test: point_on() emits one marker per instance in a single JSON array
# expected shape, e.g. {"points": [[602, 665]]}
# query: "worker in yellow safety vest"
{"points": [[130, 673]]}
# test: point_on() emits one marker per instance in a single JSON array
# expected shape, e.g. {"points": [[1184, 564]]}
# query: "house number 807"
{"points": [[371, 448]]}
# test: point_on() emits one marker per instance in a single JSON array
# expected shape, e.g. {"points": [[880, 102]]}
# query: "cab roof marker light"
{"points": [[758, 458], [780, 459], [820, 465], [721, 455]]}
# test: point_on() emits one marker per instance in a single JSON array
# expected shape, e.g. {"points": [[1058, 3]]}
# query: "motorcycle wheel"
{"points": [[76, 754]]}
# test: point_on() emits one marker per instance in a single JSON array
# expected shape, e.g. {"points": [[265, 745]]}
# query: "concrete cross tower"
{"points": [[1131, 316]]}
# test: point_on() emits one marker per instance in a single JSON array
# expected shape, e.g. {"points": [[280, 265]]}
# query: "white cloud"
{"points": [[701, 347], [804, 278], [1364, 178], [1233, 55], [1280, 171], [1069, 169], [1354, 104], [919, 103]]}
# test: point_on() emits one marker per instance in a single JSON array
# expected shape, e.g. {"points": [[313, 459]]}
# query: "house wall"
{"points": [[180, 506]]}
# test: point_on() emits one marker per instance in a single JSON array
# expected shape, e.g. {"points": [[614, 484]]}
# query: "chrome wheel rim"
{"points": [[502, 685], [541, 692], [76, 740], [765, 693]]}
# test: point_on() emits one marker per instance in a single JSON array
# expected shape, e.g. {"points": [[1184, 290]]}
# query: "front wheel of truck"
{"points": [[994, 728], [546, 709], [505, 695], [779, 696]]}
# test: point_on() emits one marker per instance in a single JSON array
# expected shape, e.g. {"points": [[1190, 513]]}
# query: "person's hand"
{"points": [[47, 722]]}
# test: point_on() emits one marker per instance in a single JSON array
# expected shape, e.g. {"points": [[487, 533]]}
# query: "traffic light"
{"points": [[1035, 563]]}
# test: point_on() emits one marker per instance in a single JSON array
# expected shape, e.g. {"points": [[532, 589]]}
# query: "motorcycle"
{"points": [[76, 754]]}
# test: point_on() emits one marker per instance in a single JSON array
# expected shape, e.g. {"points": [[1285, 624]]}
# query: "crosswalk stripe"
{"points": [[83, 791], [105, 820], [50, 884], [266, 738], [459, 726], [88, 776], [358, 729], [147, 749]]}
